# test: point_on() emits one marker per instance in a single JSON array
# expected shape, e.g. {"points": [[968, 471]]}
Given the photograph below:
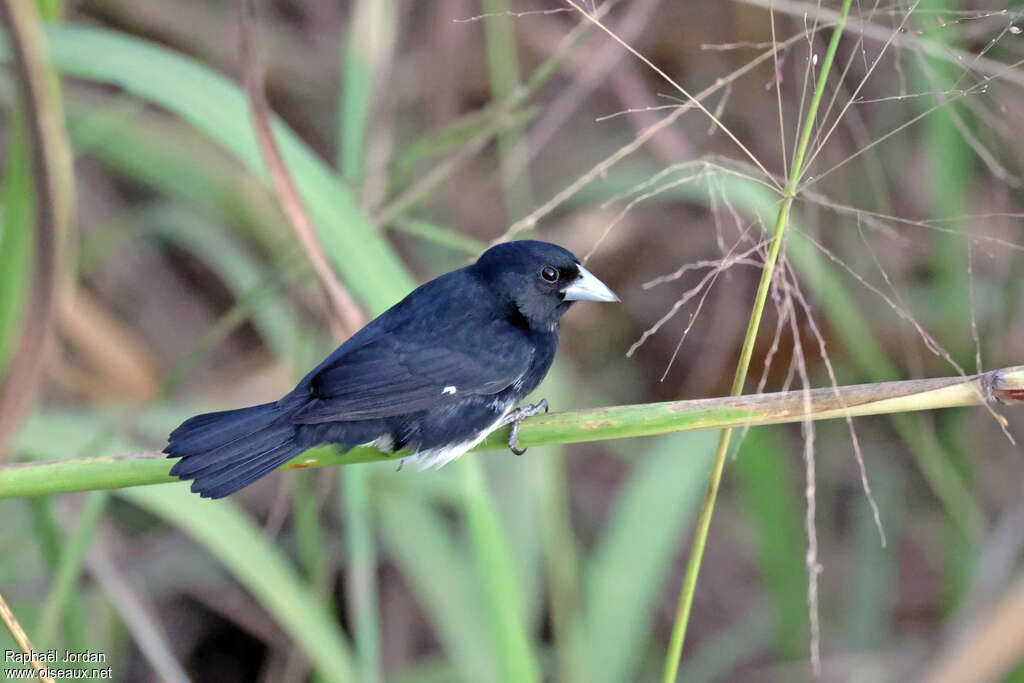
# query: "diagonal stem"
{"points": [[778, 235], [54, 201], [346, 316], [21, 638]]}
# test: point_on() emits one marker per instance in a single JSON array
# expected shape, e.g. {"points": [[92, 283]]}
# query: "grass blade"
{"points": [[364, 55], [516, 661], [771, 504], [170, 157], [439, 572], [15, 239], [69, 566], [218, 107], [229, 535], [233, 539], [503, 67], [210, 242], [363, 589], [633, 557]]}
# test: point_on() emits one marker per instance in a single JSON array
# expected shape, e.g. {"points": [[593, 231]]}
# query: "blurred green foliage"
{"points": [[561, 564]]}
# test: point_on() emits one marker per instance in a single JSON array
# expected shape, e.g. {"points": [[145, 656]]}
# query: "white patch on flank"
{"points": [[442, 455], [383, 443], [450, 389]]}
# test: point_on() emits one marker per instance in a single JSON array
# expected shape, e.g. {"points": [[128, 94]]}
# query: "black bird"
{"points": [[437, 372]]}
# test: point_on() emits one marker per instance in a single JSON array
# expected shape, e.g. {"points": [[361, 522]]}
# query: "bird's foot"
{"points": [[516, 417]]}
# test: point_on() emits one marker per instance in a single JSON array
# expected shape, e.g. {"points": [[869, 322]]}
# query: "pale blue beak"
{"points": [[588, 288]]}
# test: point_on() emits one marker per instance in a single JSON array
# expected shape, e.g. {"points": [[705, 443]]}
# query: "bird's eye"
{"points": [[548, 273]]}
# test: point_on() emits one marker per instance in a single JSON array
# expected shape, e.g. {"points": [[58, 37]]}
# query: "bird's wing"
{"points": [[399, 373]]}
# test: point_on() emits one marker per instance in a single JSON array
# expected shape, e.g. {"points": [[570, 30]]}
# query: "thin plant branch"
{"points": [[777, 78], [690, 98], [819, 143], [880, 33], [22, 639], [503, 114], [746, 353], [601, 168], [139, 617]]}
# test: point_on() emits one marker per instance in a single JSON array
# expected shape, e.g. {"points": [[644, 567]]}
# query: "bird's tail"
{"points": [[226, 451]]}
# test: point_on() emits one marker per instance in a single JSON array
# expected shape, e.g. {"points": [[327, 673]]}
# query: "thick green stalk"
{"points": [[884, 398], [778, 235]]}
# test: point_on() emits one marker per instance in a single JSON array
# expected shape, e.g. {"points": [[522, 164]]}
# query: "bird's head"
{"points": [[539, 279]]}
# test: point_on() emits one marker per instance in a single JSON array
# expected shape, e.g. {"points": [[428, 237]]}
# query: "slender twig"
{"points": [[1005, 386], [690, 98], [704, 521], [502, 114], [346, 315], [54, 202], [601, 168], [877, 32], [21, 638], [139, 617]]}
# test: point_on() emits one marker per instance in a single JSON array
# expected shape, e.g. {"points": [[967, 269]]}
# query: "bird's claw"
{"points": [[513, 437], [516, 419]]}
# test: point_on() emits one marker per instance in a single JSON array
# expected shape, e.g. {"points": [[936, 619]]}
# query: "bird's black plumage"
{"points": [[436, 372]]}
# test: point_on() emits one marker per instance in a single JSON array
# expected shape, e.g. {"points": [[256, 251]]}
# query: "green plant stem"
{"points": [[562, 569], [361, 580], [503, 66], [17, 201], [363, 54], [308, 538], [855, 333], [704, 520], [48, 532], [884, 398], [515, 658], [238, 544], [69, 567]]}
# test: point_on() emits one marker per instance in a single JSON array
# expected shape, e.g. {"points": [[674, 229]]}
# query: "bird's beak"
{"points": [[588, 288]]}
